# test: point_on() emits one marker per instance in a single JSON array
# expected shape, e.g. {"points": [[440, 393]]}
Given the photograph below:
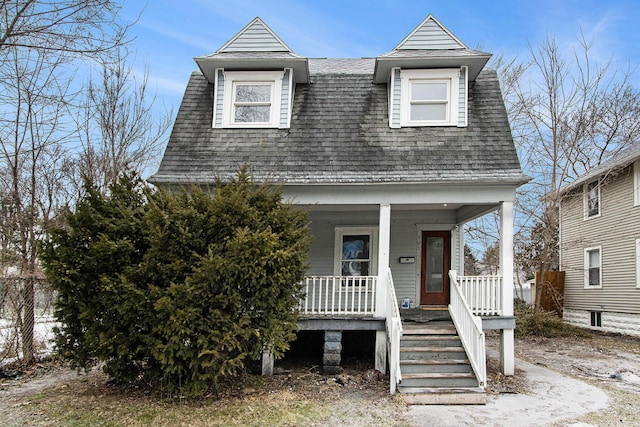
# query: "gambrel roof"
{"points": [[340, 134]]}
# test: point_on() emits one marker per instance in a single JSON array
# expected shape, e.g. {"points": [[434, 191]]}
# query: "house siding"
{"points": [[431, 36], [616, 231], [462, 97], [285, 99], [219, 99], [406, 228], [396, 90], [255, 38]]}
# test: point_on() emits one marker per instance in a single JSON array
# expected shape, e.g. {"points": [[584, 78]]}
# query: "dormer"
{"points": [[428, 75], [253, 76]]}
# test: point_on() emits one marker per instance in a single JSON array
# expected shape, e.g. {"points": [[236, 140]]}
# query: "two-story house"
{"points": [[600, 246], [392, 156]]}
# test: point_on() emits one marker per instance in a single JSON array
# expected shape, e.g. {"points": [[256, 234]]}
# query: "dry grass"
{"points": [[296, 397]]}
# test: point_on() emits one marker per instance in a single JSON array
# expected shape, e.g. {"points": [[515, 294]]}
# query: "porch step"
{"points": [[443, 396], [440, 379], [435, 368]]}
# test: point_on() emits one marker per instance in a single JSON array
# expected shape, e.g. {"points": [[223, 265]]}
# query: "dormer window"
{"points": [[252, 99], [429, 97], [252, 102]]}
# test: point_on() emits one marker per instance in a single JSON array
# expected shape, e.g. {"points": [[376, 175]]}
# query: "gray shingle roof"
{"points": [[618, 161], [340, 134]]}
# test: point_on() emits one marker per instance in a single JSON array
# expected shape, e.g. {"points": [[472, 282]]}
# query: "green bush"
{"points": [[182, 288], [539, 323]]}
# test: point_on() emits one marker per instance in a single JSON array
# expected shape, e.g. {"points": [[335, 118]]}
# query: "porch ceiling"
{"points": [[461, 212]]}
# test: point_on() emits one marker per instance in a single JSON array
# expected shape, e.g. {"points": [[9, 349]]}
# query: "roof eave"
{"points": [[208, 66], [383, 65]]}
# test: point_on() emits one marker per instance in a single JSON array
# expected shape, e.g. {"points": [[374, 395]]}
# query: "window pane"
{"points": [[253, 93], [593, 202], [424, 112], [594, 267], [424, 91], [252, 113], [355, 255], [435, 264], [355, 268], [594, 276]]}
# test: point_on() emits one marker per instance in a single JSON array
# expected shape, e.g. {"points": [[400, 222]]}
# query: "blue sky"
{"points": [[169, 33]]}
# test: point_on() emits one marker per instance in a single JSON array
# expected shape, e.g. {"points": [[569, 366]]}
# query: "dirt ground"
{"points": [[359, 396]]}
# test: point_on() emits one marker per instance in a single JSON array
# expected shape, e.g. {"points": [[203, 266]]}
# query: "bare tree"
{"points": [[61, 26], [568, 114], [40, 42], [120, 129], [31, 131]]}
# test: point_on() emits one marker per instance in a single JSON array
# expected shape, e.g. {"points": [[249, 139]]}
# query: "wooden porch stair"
{"points": [[435, 368]]}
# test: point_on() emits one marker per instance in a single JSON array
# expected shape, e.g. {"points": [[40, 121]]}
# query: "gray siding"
{"points": [[431, 36], [616, 230], [405, 242], [462, 98], [395, 99], [255, 38], [219, 99], [285, 99]]}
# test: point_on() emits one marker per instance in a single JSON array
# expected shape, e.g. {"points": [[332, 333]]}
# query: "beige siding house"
{"points": [[600, 246]]}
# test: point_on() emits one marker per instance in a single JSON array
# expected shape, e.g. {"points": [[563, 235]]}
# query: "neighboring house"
{"points": [[600, 246], [392, 156]]}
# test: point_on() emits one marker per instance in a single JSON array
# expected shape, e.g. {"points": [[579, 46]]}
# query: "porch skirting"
{"points": [[616, 322]]}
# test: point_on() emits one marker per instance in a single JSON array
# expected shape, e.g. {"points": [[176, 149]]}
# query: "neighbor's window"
{"points": [[252, 98], [636, 183], [637, 263], [355, 251], [429, 97], [593, 267], [592, 199]]}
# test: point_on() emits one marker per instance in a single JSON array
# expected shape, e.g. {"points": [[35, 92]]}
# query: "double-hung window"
{"points": [[592, 199], [429, 97], [593, 267], [252, 99], [355, 251]]}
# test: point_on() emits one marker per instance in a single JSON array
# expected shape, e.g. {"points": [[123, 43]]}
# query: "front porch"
{"points": [[339, 303]]}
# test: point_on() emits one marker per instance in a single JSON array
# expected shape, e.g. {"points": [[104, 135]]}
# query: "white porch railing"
{"points": [[339, 295], [394, 332], [469, 329], [482, 293]]}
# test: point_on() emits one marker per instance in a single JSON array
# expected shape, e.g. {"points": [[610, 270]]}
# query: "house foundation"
{"points": [[332, 352]]}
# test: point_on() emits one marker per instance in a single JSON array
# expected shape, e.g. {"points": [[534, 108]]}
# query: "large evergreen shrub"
{"points": [[180, 288]]}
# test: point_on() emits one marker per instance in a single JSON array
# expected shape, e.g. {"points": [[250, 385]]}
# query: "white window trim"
{"points": [[636, 183], [231, 78], [586, 267], [586, 200], [449, 75], [373, 249], [638, 263]]}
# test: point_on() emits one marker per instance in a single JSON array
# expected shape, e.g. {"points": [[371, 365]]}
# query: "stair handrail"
{"points": [[394, 332], [469, 329]]}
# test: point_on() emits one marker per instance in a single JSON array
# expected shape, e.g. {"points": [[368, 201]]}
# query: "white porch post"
{"points": [[384, 237], [507, 343]]}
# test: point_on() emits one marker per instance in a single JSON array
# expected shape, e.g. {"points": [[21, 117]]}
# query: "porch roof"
{"points": [[340, 134]]}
